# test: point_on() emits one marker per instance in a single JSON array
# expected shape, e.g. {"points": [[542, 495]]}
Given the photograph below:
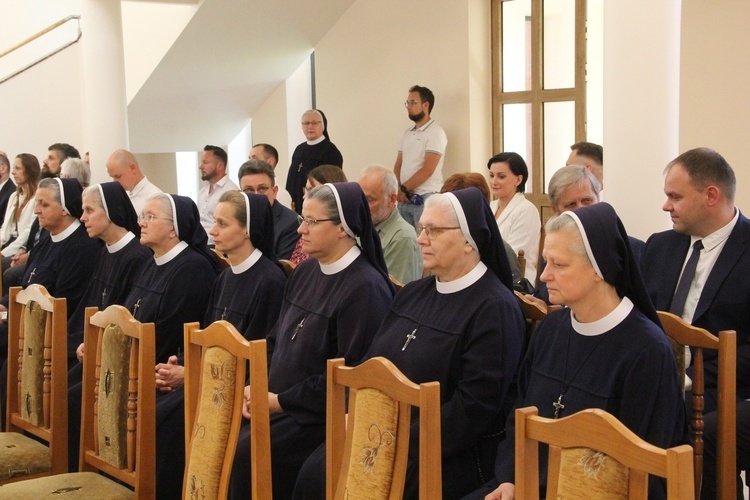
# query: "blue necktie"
{"points": [[688, 274]]}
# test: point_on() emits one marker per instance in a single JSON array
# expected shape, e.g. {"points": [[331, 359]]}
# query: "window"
{"points": [[539, 85]]}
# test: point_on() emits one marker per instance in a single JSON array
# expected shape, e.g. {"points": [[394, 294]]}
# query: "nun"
{"points": [[108, 216], [316, 150], [58, 261], [333, 304], [606, 349], [462, 327], [171, 290], [249, 293]]}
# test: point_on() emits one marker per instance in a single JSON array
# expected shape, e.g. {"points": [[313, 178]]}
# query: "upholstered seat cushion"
{"points": [[373, 445], [211, 429], [32, 369], [21, 456], [63, 486], [585, 473]]}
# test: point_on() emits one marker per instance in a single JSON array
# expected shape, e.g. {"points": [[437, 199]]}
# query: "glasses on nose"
{"points": [[433, 232], [258, 190], [312, 222], [149, 218], [411, 102], [311, 124]]}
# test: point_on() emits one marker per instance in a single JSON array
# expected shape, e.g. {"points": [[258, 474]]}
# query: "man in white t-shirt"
{"points": [[419, 164]]}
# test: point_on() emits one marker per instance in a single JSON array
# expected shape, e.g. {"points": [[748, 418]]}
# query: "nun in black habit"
{"points": [[462, 327], [315, 151], [249, 293], [605, 350], [109, 216], [171, 290], [333, 304], [59, 261]]}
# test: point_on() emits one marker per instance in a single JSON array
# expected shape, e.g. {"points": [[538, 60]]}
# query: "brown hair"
{"points": [[469, 179]]}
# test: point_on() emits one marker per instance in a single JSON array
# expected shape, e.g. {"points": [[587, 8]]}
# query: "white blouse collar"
{"points": [[57, 238], [605, 324], [121, 243], [178, 248], [247, 263], [317, 141], [464, 281], [342, 263]]}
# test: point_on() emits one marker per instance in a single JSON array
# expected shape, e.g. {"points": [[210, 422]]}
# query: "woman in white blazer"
{"points": [[20, 212], [517, 218]]}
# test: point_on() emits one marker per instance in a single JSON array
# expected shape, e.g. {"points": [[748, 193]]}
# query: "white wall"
{"points": [[43, 105], [270, 127], [366, 63], [714, 103]]}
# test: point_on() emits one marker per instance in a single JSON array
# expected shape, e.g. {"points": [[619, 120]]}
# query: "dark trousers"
{"points": [[291, 444]]}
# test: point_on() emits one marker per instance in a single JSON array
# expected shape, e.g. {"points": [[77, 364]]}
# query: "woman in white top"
{"points": [[517, 218], [20, 212]]}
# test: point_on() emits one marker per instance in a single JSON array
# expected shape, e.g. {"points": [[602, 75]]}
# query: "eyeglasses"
{"points": [[312, 222], [258, 190], [149, 218], [311, 124], [433, 232], [411, 102]]}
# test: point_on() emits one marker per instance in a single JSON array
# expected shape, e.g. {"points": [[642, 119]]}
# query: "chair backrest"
{"points": [[684, 334], [594, 456], [215, 366], [37, 375], [118, 424], [288, 266], [522, 262], [369, 453], [533, 312], [221, 259]]}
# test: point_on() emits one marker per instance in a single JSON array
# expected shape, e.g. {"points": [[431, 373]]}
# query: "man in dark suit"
{"points": [[700, 187], [257, 176], [6, 185]]}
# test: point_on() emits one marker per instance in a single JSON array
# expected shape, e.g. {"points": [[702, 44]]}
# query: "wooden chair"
{"points": [[222, 259], [533, 312], [288, 266], [215, 366], [369, 453], [522, 262], [118, 414], [594, 456], [684, 334], [37, 387]]}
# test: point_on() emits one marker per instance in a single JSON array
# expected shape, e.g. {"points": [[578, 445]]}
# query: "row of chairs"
{"points": [[367, 454]]}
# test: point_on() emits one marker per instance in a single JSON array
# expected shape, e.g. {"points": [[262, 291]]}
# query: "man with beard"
{"points": [[56, 154], [213, 169], [419, 164], [400, 249]]}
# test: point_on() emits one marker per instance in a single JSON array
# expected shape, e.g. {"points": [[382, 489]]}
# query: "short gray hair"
{"points": [[387, 178], [76, 168], [558, 223], [571, 176], [53, 186], [441, 200]]}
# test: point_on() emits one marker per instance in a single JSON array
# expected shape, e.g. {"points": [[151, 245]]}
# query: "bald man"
{"points": [[123, 168]]}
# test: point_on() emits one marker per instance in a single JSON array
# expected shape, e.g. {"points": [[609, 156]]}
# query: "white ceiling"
{"points": [[226, 62]]}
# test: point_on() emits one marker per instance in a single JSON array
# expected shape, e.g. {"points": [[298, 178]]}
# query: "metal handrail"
{"points": [[34, 37]]}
